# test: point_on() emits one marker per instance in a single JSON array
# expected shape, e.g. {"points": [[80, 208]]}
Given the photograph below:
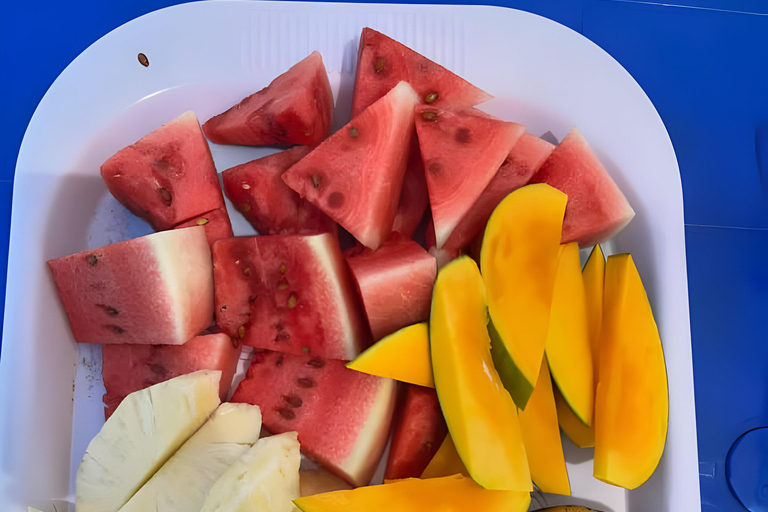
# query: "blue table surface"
{"points": [[703, 63]]}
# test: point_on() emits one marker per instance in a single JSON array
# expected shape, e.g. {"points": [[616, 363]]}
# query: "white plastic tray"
{"points": [[207, 56]]}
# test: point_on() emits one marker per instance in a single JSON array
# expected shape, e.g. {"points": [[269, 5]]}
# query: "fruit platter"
{"points": [[285, 256]]}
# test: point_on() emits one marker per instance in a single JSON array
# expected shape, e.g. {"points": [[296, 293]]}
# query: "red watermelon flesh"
{"points": [[296, 108], [156, 289], [290, 293], [526, 157], [395, 283], [356, 175], [414, 197], [462, 150], [215, 222], [342, 416], [596, 208], [129, 368], [382, 62], [419, 429], [258, 192], [167, 177]]}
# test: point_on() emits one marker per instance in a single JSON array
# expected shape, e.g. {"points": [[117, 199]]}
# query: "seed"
{"points": [[306, 350], [282, 336], [202, 221], [143, 60], [293, 400], [223, 308], [282, 269], [251, 299], [431, 97], [115, 328], [246, 186], [282, 286], [353, 132], [92, 260], [429, 116], [246, 207], [166, 196], [241, 331], [316, 362], [306, 382], [287, 413], [316, 181], [279, 361], [247, 271], [109, 309], [157, 368], [237, 262], [379, 65], [292, 301]]}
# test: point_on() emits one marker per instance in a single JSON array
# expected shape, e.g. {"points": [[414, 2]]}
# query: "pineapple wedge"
{"points": [[144, 431], [183, 482], [266, 478]]}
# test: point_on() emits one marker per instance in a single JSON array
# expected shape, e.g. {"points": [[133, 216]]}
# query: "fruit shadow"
{"points": [[343, 107]]}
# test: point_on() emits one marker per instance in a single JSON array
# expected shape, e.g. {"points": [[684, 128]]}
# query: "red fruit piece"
{"points": [[596, 208], [414, 196], [356, 175], [382, 62], [526, 157], [168, 177], [292, 293], [296, 108], [129, 368], [258, 192], [156, 289], [395, 283], [418, 432], [215, 222], [342, 416]]}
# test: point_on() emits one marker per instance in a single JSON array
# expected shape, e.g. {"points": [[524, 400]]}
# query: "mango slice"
{"points": [[415, 495], [568, 350], [480, 414], [632, 405], [446, 461], [579, 434], [519, 259], [403, 356], [541, 436]]}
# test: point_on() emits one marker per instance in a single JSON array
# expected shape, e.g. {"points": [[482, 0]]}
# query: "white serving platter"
{"points": [[207, 56]]}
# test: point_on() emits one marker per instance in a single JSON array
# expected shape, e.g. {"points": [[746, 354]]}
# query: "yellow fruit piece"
{"points": [[449, 494], [519, 259], [541, 436], [632, 406], [480, 414], [403, 356], [594, 281], [579, 434], [445, 462], [568, 352]]}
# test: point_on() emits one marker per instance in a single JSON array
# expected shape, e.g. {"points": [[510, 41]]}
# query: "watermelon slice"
{"points": [[418, 432], [382, 62], [290, 293], [296, 108], [526, 157], [129, 368], [356, 175], [156, 289], [260, 194], [215, 222], [414, 197], [342, 416], [596, 208], [395, 283], [168, 176], [462, 150]]}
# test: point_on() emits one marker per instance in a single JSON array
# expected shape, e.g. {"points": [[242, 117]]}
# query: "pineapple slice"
{"points": [[183, 482], [144, 431], [266, 478]]}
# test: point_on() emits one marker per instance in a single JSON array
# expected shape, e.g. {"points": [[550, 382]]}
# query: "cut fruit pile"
{"points": [[494, 354]]}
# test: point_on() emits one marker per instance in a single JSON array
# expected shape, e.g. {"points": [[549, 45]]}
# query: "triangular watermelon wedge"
{"points": [[462, 150], [414, 197], [356, 175], [296, 108], [382, 62]]}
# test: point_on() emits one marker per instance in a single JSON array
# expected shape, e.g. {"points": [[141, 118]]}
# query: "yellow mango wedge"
{"points": [[568, 351], [518, 258], [480, 414], [449, 494], [580, 434], [541, 436], [403, 356], [445, 462], [632, 405]]}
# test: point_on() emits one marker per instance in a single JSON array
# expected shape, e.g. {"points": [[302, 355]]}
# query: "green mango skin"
{"points": [[519, 388]]}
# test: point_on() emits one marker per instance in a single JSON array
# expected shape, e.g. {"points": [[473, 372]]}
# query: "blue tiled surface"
{"points": [[705, 69]]}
